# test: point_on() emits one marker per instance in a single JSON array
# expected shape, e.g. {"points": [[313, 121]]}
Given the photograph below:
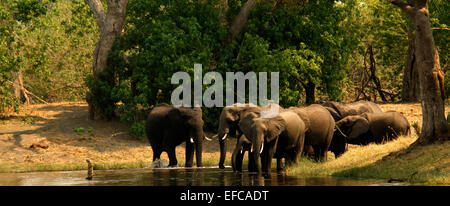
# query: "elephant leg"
{"points": [[236, 159], [172, 157], [268, 159], [324, 154], [320, 153], [223, 152], [280, 164], [251, 162], [289, 158], [189, 154], [317, 152], [299, 150], [156, 153], [308, 151]]}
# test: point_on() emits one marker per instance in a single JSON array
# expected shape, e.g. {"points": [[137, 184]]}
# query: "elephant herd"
{"points": [[312, 130]]}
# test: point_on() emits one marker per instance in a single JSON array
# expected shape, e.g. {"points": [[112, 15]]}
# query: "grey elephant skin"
{"points": [[168, 126], [279, 137], [243, 145], [339, 111], [228, 124], [374, 127], [319, 129]]}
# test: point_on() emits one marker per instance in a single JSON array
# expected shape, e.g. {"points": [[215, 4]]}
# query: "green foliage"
{"points": [[26, 10], [58, 47], [385, 27], [79, 130], [8, 61], [138, 130], [307, 44], [316, 24], [52, 46], [161, 38]]}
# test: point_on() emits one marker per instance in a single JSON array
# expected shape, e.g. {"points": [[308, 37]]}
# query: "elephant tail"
{"points": [[408, 130]]}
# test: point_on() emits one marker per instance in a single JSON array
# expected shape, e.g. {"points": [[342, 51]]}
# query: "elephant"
{"points": [[320, 126], [228, 123], [374, 127], [277, 137], [339, 110], [168, 126], [243, 144]]}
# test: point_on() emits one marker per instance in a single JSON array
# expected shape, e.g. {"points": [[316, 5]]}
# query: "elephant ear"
{"points": [[336, 116], [337, 107], [360, 126], [245, 124], [191, 116], [274, 127]]}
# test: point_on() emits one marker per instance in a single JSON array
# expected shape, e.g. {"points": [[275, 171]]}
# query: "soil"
{"points": [[63, 133]]}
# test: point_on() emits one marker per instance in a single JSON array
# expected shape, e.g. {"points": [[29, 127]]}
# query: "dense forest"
{"points": [[324, 50]]}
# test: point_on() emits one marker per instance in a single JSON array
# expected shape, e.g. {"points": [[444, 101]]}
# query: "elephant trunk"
{"points": [[199, 148], [236, 159], [223, 148], [257, 147]]}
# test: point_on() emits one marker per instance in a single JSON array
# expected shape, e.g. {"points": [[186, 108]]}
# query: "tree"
{"points": [[110, 25], [7, 60], [431, 78]]}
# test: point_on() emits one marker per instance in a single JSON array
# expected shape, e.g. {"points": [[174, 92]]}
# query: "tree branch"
{"points": [[402, 5], [437, 28], [99, 11], [240, 21]]}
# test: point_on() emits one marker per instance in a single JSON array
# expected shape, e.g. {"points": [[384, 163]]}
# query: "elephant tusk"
{"points": [[215, 136], [192, 140], [241, 151], [208, 139], [224, 136], [251, 149], [262, 147], [341, 132]]}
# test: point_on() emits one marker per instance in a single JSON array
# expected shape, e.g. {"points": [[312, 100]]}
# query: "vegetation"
{"points": [[324, 50], [50, 43], [427, 166]]}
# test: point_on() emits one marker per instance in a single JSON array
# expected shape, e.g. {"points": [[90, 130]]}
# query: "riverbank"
{"points": [[429, 165], [59, 136]]}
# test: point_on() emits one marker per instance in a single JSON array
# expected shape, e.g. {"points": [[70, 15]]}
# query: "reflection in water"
{"points": [[174, 177]]}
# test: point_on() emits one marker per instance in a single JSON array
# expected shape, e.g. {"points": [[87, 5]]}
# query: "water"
{"points": [[211, 176]]}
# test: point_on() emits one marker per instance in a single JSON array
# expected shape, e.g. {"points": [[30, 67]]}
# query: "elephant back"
{"points": [[303, 114]]}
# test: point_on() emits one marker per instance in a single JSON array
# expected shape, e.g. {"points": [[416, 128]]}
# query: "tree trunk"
{"points": [[310, 91], [240, 21], [410, 90], [431, 78], [373, 76], [110, 26], [19, 90]]}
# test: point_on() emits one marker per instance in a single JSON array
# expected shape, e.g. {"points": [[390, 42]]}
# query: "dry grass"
{"points": [[429, 165]]}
